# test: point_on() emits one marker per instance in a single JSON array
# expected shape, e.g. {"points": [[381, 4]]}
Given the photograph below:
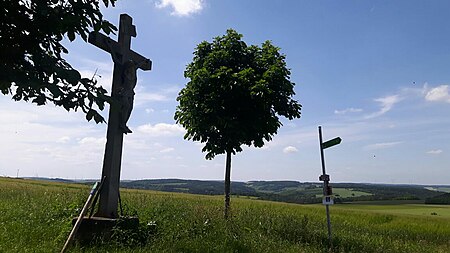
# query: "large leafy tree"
{"points": [[235, 96], [32, 67]]}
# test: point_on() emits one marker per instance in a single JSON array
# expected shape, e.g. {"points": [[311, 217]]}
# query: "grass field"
{"points": [[422, 210], [346, 193], [35, 217]]}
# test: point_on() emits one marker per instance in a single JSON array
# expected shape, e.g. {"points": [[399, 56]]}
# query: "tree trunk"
{"points": [[227, 184]]}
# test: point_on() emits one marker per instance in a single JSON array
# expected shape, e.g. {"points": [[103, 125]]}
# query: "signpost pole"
{"points": [[325, 187]]}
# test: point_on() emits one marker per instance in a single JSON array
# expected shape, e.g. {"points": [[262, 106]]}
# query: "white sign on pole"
{"points": [[327, 200]]}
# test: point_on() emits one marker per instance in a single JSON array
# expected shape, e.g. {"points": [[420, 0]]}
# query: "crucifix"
{"points": [[126, 63]]}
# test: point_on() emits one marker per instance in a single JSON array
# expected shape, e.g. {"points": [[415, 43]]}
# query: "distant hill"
{"points": [[443, 199], [188, 186], [388, 192], [290, 191]]}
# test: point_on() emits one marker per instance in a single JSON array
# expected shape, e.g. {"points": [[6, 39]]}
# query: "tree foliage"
{"points": [[235, 95], [32, 67]]}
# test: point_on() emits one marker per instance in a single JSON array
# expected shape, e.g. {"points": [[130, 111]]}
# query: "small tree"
{"points": [[235, 95], [32, 67]]}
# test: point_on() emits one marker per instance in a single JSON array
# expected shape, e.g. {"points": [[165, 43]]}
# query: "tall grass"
{"points": [[36, 216]]}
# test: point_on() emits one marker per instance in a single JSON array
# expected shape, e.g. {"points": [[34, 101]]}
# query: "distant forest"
{"points": [[296, 192], [293, 191]]}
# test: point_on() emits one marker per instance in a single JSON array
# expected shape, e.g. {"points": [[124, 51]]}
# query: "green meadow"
{"points": [[431, 211], [35, 216], [346, 193]]}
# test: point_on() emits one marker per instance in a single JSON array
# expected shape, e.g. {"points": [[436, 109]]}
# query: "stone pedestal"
{"points": [[99, 228]]}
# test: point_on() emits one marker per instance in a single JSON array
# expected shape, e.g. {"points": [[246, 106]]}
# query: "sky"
{"points": [[375, 73]]}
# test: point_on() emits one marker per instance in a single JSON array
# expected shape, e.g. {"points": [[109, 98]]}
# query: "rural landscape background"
{"points": [[35, 216]]}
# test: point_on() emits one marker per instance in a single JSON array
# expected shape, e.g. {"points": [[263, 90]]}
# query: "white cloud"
{"points": [[438, 94], [434, 151], [290, 149], [149, 110], [49, 141], [415, 91], [166, 150], [142, 98], [348, 110], [182, 7], [162, 129], [386, 104], [383, 145], [63, 139], [92, 140], [101, 66]]}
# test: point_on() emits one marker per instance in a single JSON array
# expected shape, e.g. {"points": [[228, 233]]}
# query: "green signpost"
{"points": [[331, 143], [327, 191]]}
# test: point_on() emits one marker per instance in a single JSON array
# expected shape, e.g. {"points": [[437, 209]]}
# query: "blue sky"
{"points": [[375, 73]]}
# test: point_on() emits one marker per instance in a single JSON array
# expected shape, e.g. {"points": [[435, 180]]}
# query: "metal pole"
{"points": [[327, 208], [321, 151], [325, 187]]}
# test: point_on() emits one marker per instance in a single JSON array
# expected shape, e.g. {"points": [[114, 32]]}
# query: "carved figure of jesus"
{"points": [[126, 94]]}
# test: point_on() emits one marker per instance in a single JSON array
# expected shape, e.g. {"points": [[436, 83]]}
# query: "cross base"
{"points": [[93, 229]]}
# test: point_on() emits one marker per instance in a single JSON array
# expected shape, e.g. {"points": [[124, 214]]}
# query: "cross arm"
{"points": [[109, 45]]}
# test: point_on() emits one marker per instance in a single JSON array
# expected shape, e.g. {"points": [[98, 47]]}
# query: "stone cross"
{"points": [[126, 63]]}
